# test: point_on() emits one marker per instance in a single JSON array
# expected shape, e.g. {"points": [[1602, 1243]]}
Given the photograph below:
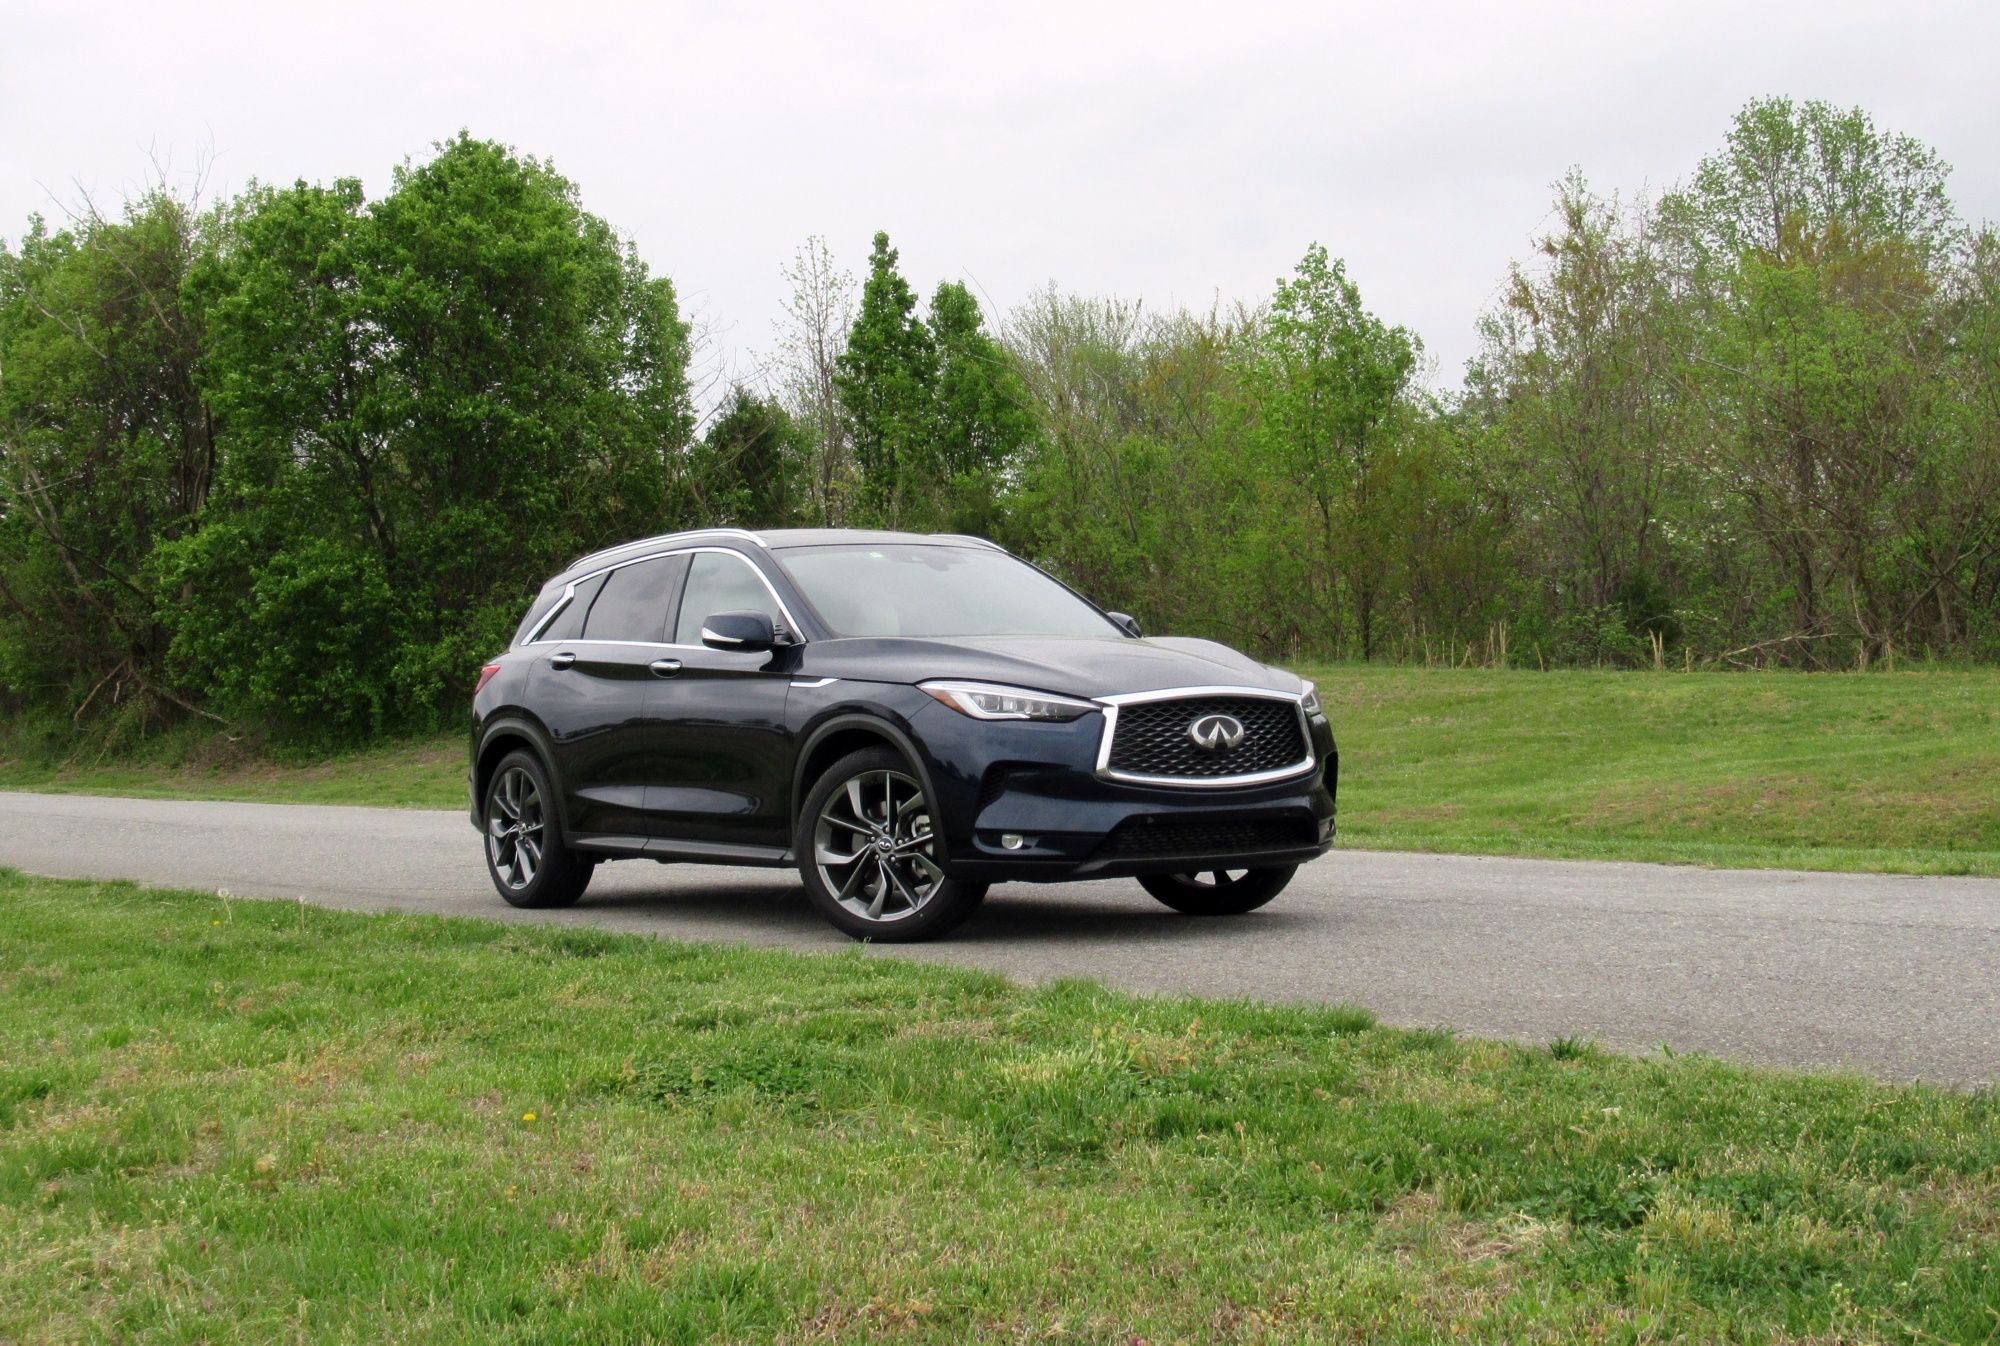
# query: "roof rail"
{"points": [[743, 533], [967, 537]]}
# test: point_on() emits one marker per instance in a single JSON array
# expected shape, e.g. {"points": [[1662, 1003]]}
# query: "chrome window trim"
{"points": [[641, 644], [1110, 731], [562, 605], [569, 593]]}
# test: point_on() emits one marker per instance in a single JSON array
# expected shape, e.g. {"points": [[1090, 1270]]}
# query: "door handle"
{"points": [[665, 668], [563, 660]]}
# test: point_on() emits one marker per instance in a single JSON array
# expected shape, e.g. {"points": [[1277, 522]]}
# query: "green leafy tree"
{"points": [[886, 380], [1328, 377], [982, 419], [1814, 246], [757, 462], [106, 445], [1573, 379], [1790, 173], [433, 400]]}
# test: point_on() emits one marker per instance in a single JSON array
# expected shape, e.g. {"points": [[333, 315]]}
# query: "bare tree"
{"points": [[811, 336]]}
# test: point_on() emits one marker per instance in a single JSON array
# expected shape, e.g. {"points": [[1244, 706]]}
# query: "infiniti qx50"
{"points": [[906, 718]]}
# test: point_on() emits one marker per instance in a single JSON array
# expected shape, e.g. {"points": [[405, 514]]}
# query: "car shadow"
{"points": [[1022, 914], [1013, 914]]}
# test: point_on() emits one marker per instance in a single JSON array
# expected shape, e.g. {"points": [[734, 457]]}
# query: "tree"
{"points": [[1814, 247], [1327, 377], [1791, 172], [1575, 380], [886, 381], [811, 339], [106, 445], [756, 456], [434, 399], [983, 422]]}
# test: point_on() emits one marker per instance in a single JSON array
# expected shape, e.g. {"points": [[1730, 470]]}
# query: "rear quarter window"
{"points": [[550, 595], [568, 623]]}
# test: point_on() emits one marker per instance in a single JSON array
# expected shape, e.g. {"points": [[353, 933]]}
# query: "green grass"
{"points": [[249, 1121], [193, 763], [1894, 772]]}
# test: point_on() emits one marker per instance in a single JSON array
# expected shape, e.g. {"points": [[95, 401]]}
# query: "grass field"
{"points": [[1895, 772], [192, 763], [1820, 771], [255, 1122]]}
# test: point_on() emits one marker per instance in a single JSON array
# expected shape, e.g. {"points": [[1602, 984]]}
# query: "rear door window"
{"points": [[632, 604]]}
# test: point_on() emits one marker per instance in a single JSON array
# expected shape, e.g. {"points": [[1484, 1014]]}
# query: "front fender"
{"points": [[826, 727]]}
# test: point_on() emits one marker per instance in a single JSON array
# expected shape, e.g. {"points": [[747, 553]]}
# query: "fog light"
{"points": [[1012, 841]]}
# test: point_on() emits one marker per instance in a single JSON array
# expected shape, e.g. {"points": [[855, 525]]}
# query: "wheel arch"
{"points": [[843, 734], [504, 735]]}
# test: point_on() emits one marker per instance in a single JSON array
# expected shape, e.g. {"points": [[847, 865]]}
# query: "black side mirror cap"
{"points": [[1127, 623], [744, 632]]}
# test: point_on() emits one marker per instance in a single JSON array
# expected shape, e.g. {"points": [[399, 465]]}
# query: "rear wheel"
{"points": [[1219, 892], [525, 854], [867, 852]]}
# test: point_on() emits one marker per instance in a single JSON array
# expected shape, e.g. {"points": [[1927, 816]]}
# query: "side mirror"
{"points": [[1126, 623], [741, 631]]}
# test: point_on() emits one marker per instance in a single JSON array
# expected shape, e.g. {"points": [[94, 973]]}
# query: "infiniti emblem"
{"points": [[1214, 733]]}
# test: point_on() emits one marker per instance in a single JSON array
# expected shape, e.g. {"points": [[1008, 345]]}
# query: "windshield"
{"points": [[915, 589]]}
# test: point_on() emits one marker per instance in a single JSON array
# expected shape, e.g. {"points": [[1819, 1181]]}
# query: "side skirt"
{"points": [[668, 849]]}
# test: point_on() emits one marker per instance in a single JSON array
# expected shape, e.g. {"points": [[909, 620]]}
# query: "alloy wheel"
{"points": [[516, 828], [872, 843]]}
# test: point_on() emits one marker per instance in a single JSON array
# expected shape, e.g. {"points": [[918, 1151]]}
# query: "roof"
{"points": [[772, 538], [830, 537]]}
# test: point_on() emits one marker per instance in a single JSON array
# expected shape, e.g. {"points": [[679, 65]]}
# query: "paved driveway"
{"points": [[1896, 976]]}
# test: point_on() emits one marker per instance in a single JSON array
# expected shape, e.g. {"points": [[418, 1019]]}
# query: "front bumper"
{"points": [[1038, 785]]}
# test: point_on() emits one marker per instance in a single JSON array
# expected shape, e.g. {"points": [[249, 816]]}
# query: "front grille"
{"points": [[1201, 841], [1151, 737]]}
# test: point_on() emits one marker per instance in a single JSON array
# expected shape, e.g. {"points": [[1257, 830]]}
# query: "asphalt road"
{"points": [[1895, 976]]}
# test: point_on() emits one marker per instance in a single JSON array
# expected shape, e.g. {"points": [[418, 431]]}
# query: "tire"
{"points": [[525, 855], [1219, 892], [863, 868]]}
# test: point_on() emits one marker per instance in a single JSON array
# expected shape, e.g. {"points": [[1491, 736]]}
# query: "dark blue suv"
{"points": [[906, 718]]}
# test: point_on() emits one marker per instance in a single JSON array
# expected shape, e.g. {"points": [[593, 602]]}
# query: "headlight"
{"points": [[1309, 701], [983, 701]]}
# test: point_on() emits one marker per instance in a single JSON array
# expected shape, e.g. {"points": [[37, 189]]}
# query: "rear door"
{"points": [[723, 774], [590, 683]]}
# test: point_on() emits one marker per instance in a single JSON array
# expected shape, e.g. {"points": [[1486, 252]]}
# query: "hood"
{"points": [[1069, 665]]}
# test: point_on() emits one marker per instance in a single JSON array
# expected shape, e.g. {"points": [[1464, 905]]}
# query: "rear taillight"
{"points": [[486, 672]]}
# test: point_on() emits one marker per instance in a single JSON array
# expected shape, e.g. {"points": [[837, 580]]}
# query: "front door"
{"points": [[723, 771]]}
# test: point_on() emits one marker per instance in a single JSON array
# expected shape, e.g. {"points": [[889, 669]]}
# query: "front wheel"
{"points": [[525, 854], [867, 852], [1219, 892]]}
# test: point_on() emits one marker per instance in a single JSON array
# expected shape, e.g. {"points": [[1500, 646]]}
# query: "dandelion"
{"points": [[527, 1116]]}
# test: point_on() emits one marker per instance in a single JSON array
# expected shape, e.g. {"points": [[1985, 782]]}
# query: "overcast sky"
{"points": [[1176, 152]]}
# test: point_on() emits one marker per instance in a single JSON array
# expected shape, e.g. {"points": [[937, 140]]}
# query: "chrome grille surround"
{"points": [[1112, 705]]}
